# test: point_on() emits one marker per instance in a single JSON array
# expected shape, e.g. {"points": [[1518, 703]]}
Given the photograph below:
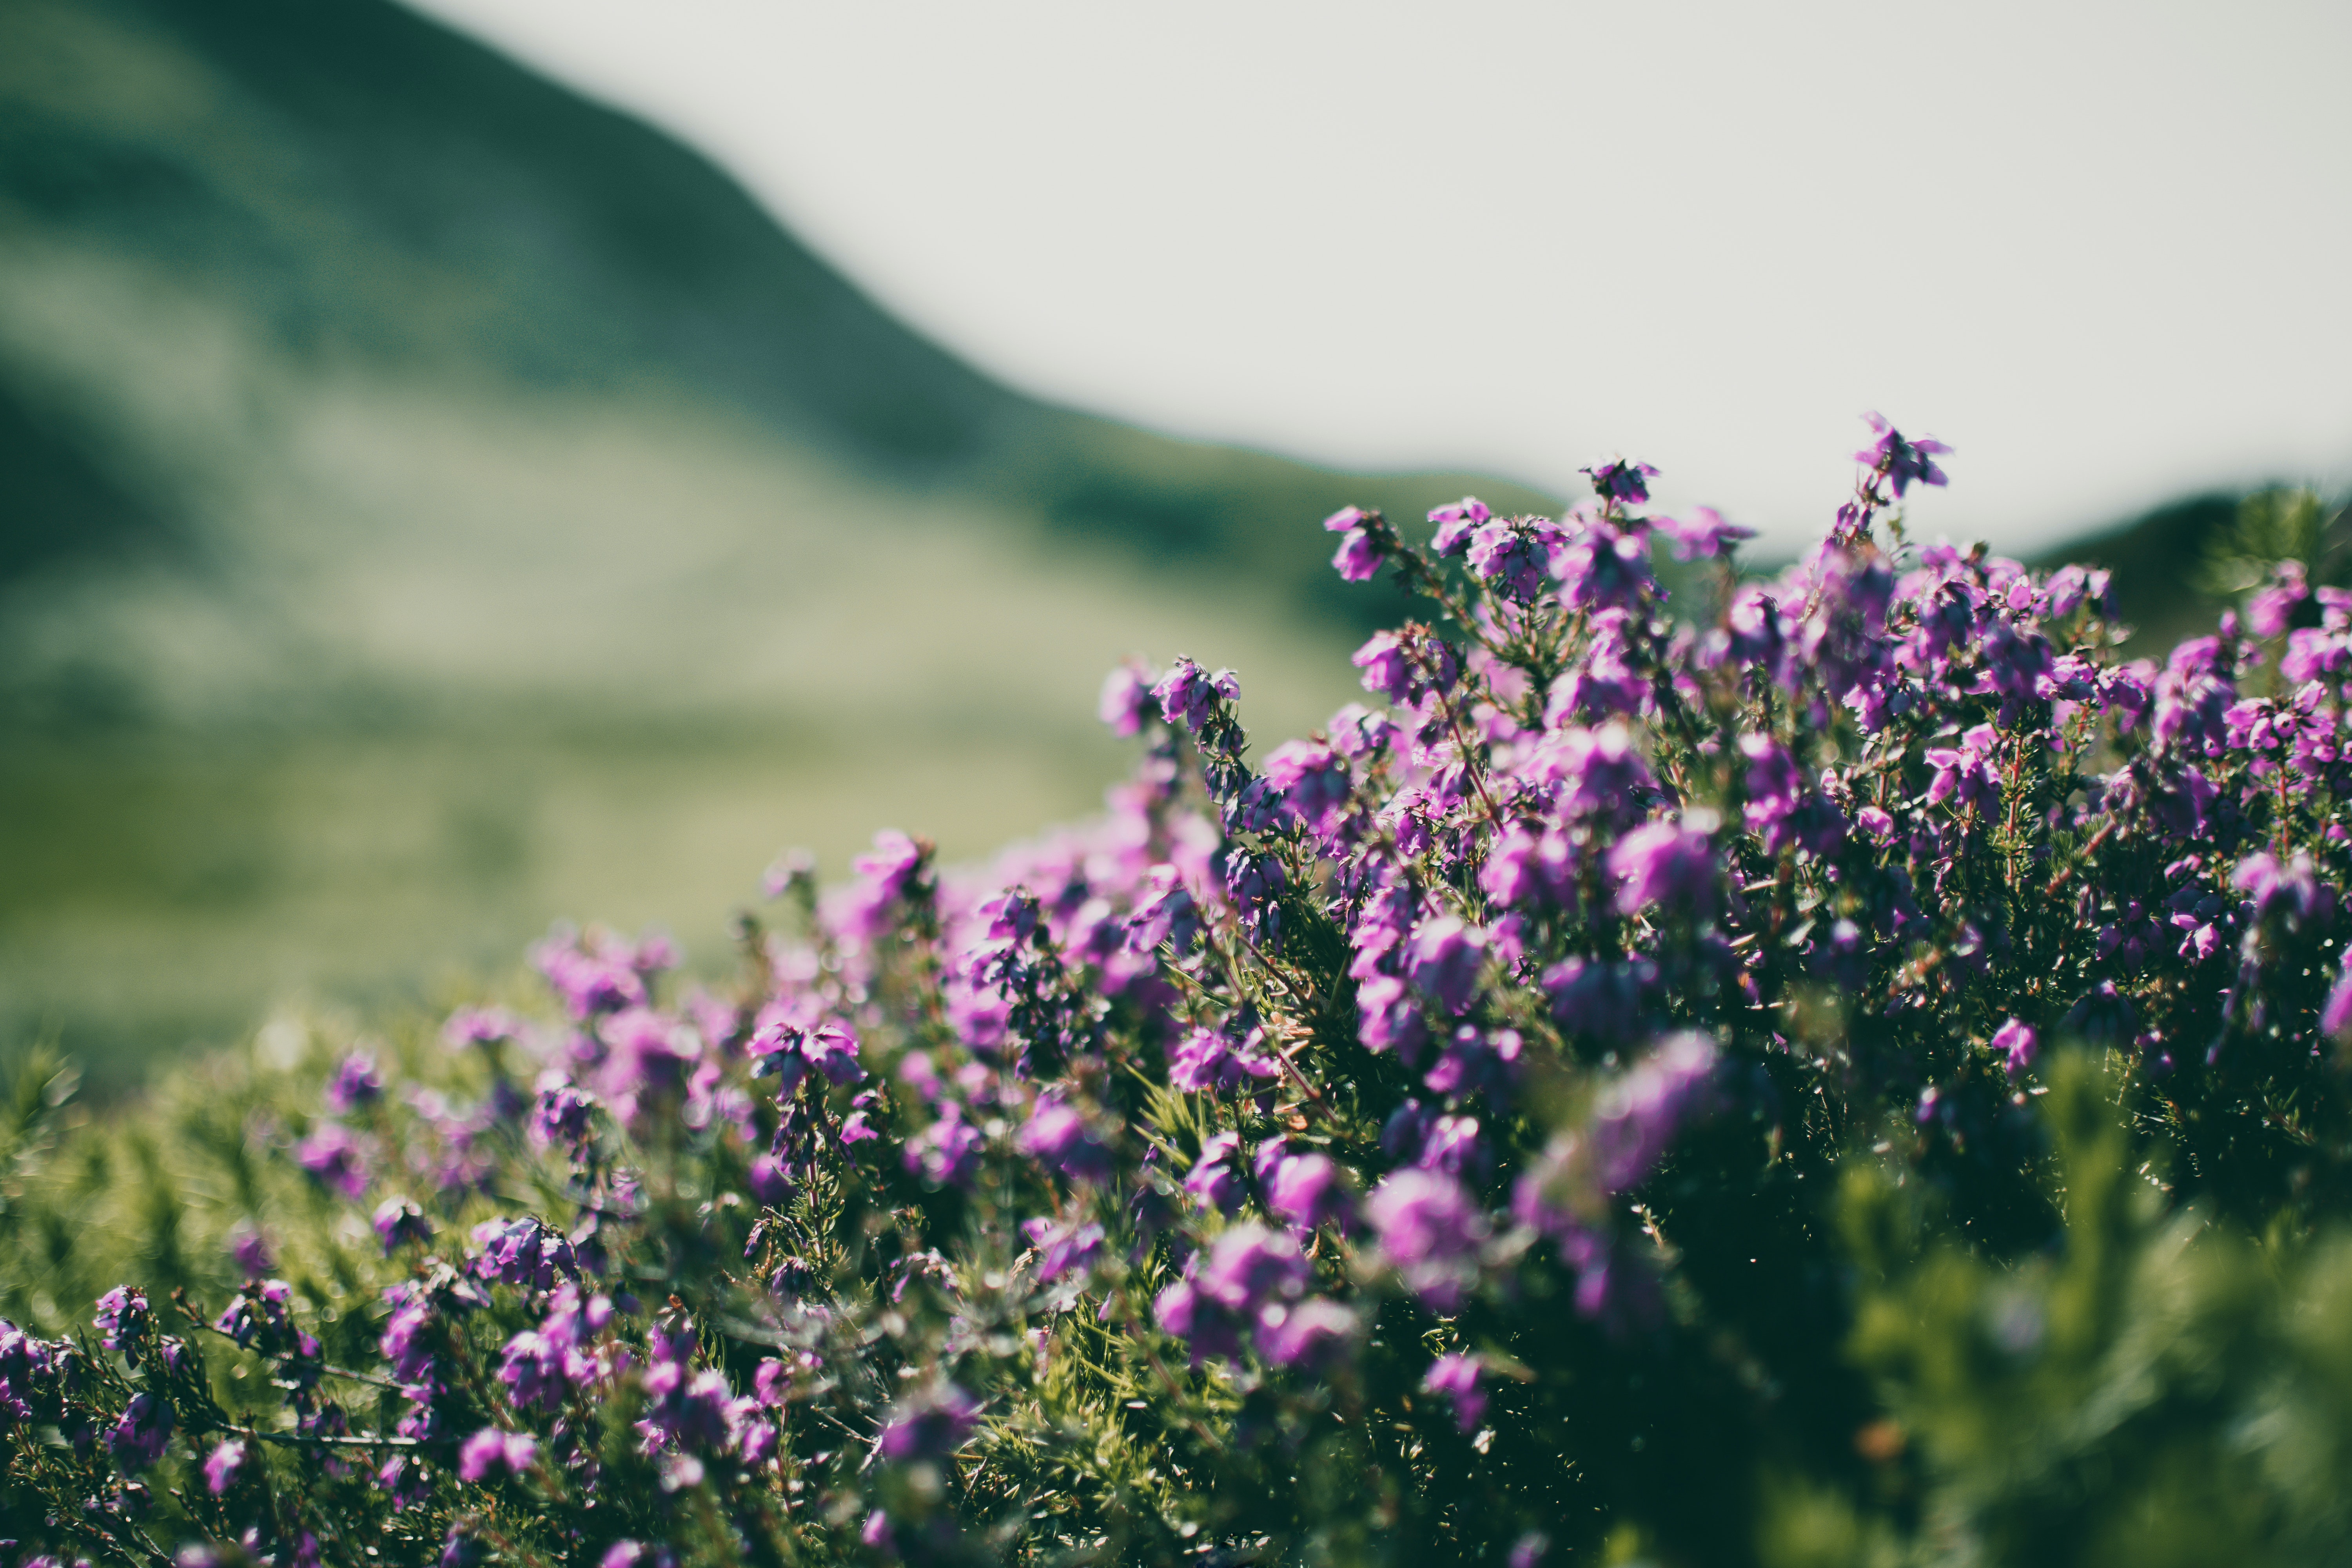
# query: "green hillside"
{"points": [[435, 504]]}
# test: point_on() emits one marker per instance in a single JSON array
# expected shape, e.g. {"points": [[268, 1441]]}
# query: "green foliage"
{"points": [[2281, 524], [2159, 1387]]}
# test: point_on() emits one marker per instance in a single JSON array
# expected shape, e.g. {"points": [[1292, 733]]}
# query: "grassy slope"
{"points": [[436, 504]]}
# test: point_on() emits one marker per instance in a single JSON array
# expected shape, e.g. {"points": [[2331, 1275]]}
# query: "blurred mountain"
{"points": [[246, 241], [430, 503]]}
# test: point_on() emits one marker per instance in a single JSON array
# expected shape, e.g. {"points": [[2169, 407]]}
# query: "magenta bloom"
{"points": [[399, 1221], [1619, 480], [1431, 1230], [1387, 666], [251, 1250], [1445, 956], [1705, 536], [1186, 693], [1967, 775], [490, 1450], [356, 1083], [1359, 557], [223, 1465], [1666, 863], [1305, 1190], [1903, 462], [1249, 1265], [1454, 524], [1309, 1335], [2335, 1016], [1312, 777], [121, 1321], [1456, 1377], [1388, 1019], [1057, 1136], [930, 1426], [139, 1438], [2016, 1042], [893, 865], [480, 1026], [1639, 1114], [1126, 699], [1215, 1179], [1062, 1249], [332, 1155]]}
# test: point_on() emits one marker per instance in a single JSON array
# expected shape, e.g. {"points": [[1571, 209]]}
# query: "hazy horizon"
{"points": [[1384, 238]]}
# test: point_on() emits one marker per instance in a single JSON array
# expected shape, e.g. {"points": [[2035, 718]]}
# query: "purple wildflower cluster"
{"points": [[1400, 1081]]}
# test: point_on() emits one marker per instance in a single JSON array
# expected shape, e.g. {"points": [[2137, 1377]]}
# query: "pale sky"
{"points": [[2102, 249]]}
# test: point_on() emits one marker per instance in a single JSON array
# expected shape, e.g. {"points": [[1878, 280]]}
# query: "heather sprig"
{"points": [[1463, 1133]]}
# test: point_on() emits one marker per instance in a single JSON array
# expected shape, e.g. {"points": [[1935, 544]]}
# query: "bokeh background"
{"points": [[537, 460]]}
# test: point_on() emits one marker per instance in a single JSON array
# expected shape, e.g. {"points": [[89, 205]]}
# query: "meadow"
{"points": [[1850, 1073]]}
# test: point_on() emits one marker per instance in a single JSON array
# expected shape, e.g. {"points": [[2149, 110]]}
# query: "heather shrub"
{"points": [[1839, 1066]]}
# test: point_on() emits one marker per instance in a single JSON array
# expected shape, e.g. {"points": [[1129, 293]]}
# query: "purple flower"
{"points": [[480, 1026], [787, 1052], [1388, 1019], [356, 1083], [1454, 524], [2102, 1014], [1388, 666], [1312, 777], [1429, 1228], [1619, 480], [2016, 1042], [121, 1321], [1639, 1114], [1057, 1135], [1207, 1061], [1250, 1264], [1186, 693], [692, 1409], [1214, 1179], [399, 1221], [250, 1248], [1525, 871], [1361, 550], [526, 1251], [562, 1115], [1598, 770], [1513, 556], [223, 1465], [2335, 1016], [1456, 1377], [1062, 1249], [1705, 536], [930, 1426], [1902, 461], [333, 1156], [947, 1153], [1126, 699], [1670, 864], [1602, 565], [637, 1554], [894, 863], [599, 974], [490, 1450], [651, 1055], [1309, 1335], [260, 1318], [2269, 610], [1444, 958], [139, 1438], [1306, 1191]]}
